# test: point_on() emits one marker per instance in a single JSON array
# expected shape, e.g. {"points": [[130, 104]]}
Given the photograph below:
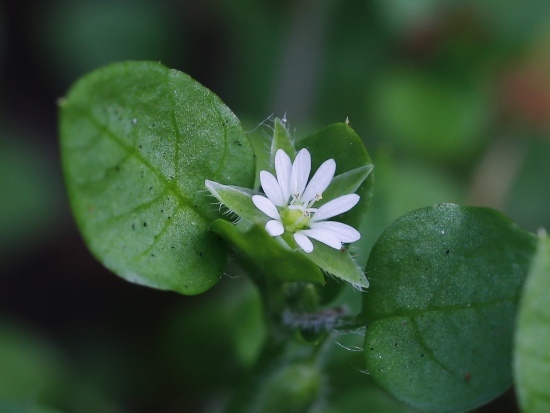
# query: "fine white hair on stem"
{"points": [[233, 277], [350, 348]]}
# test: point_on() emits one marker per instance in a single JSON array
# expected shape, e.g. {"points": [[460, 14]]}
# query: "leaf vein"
{"points": [[474, 306], [429, 352], [138, 208], [158, 235], [165, 180]]}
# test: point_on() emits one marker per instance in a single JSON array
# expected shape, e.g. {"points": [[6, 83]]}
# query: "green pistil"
{"points": [[294, 219]]}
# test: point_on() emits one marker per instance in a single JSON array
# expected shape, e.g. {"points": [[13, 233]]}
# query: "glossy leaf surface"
{"points": [[445, 282], [138, 141]]}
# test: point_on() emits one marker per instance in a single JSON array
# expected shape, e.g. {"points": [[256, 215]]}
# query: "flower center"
{"points": [[294, 219], [297, 215]]}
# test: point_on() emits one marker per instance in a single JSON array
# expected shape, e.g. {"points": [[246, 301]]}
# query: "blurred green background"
{"points": [[452, 99]]}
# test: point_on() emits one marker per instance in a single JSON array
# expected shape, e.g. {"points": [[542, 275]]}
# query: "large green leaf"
{"points": [[445, 282], [138, 141], [340, 142], [532, 352]]}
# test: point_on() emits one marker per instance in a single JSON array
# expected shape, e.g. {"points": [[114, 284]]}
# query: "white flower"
{"points": [[289, 202]]}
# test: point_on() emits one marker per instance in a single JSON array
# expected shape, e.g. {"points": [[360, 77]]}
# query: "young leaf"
{"points": [[270, 255], [340, 142], [445, 282], [532, 352], [138, 141]]}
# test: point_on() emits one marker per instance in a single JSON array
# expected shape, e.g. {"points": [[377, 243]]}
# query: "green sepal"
{"points": [[237, 200], [281, 140], [345, 183], [338, 263], [271, 255]]}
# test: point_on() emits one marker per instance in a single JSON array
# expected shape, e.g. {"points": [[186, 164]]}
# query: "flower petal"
{"points": [[283, 168], [320, 181], [303, 242], [326, 237], [335, 207], [274, 228], [266, 206], [344, 232], [271, 188], [300, 172]]}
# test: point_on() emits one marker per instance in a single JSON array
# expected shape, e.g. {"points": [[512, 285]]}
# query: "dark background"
{"points": [[452, 99]]}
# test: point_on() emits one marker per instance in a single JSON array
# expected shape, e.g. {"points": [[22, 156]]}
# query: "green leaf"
{"points": [[532, 353], [339, 142], [138, 141], [269, 254], [445, 282]]}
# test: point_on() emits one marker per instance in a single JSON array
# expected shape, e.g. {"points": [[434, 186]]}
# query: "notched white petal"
{"points": [[303, 242], [266, 206], [344, 232], [326, 237], [283, 169], [300, 172], [335, 207], [274, 228], [271, 188], [320, 181]]}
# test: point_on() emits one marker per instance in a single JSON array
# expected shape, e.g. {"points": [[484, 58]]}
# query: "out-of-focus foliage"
{"points": [[79, 36], [30, 367], [31, 194], [452, 99]]}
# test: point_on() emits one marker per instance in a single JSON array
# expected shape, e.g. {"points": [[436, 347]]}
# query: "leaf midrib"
{"points": [[169, 185], [445, 309]]}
